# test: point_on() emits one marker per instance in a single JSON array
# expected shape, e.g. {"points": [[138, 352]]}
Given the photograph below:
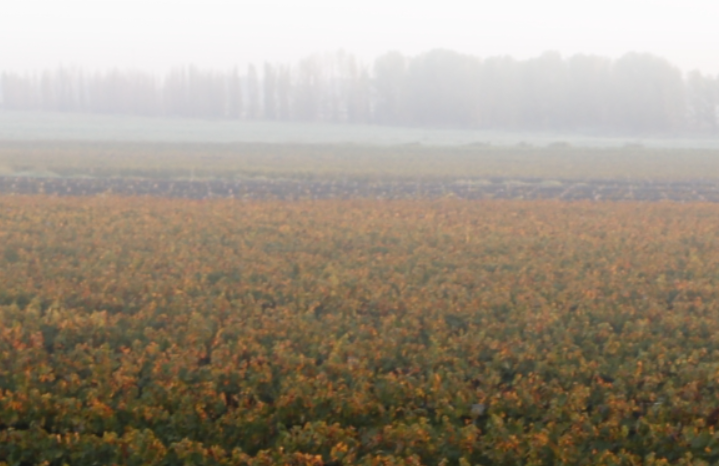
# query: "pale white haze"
{"points": [[157, 34]]}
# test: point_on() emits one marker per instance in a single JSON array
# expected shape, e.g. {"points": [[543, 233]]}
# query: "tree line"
{"points": [[441, 88]]}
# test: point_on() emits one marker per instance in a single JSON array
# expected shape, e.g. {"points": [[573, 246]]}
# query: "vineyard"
{"points": [[157, 331]]}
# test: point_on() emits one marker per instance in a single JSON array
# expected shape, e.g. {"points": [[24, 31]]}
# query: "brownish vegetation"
{"points": [[157, 331]]}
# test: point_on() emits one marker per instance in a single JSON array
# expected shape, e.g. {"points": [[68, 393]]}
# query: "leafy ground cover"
{"points": [[161, 331]]}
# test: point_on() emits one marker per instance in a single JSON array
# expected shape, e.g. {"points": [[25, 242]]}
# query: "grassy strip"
{"points": [[231, 161]]}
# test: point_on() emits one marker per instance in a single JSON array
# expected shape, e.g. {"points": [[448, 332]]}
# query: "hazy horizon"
{"points": [[217, 34]]}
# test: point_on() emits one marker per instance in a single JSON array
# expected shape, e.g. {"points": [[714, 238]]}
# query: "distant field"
{"points": [[79, 127], [48, 159]]}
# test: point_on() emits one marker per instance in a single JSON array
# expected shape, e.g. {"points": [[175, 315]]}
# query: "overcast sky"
{"points": [[157, 34]]}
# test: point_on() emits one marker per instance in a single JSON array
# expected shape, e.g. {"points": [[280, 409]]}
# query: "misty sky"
{"points": [[157, 34]]}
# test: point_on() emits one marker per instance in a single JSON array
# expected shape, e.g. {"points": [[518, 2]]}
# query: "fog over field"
{"points": [[620, 68], [55, 126]]}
